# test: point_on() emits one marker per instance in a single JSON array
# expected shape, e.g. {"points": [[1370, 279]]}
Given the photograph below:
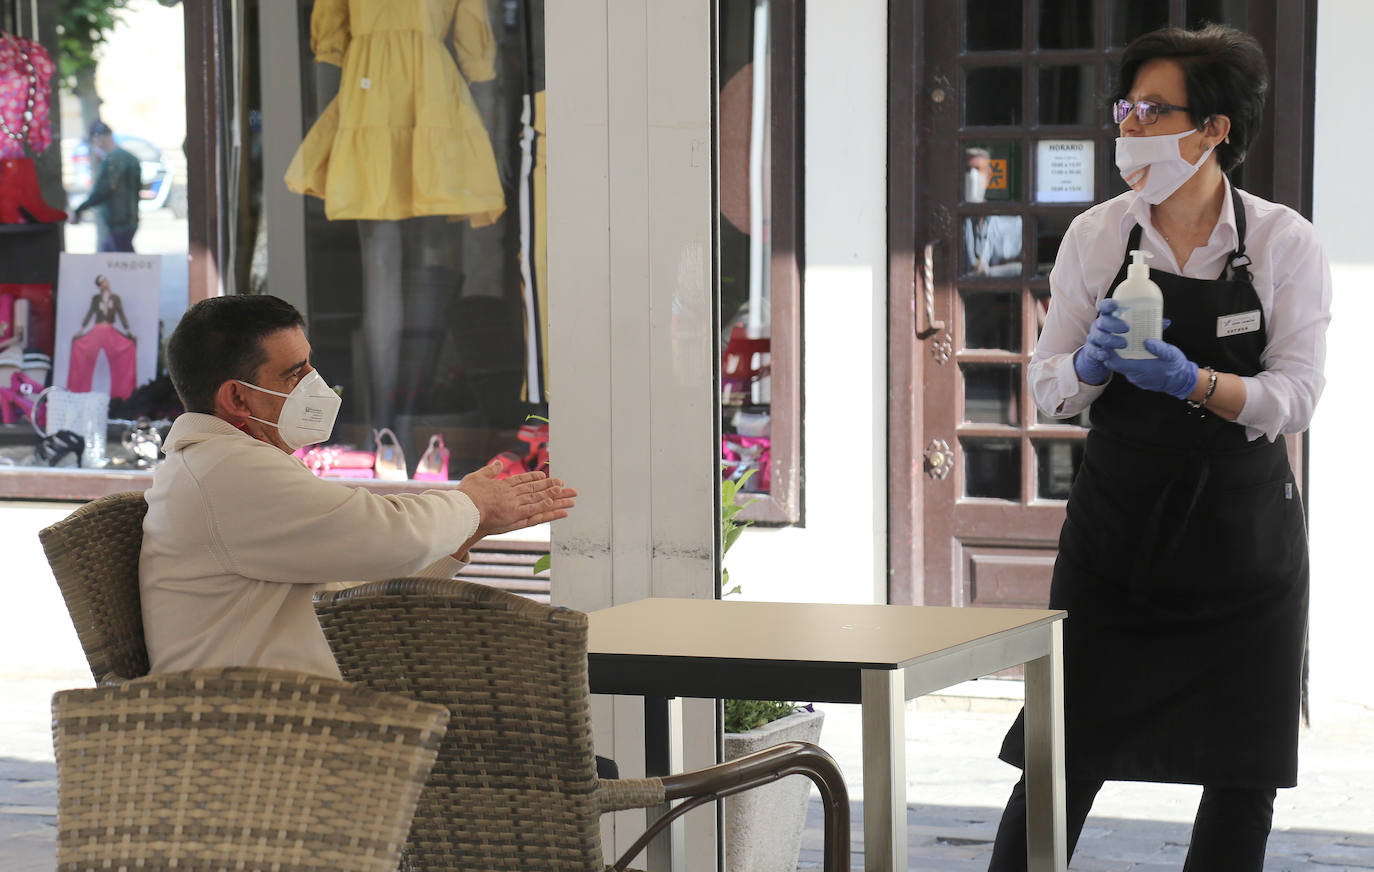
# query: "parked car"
{"points": [[158, 185]]}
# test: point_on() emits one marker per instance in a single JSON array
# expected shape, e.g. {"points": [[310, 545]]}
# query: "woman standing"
{"points": [[1183, 558], [117, 341]]}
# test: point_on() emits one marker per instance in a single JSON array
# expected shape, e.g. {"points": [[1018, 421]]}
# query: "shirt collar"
{"points": [[192, 427], [1224, 234]]}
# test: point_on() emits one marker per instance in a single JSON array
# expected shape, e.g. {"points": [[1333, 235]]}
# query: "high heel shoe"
{"points": [[20, 198], [433, 465], [391, 460], [20, 396]]}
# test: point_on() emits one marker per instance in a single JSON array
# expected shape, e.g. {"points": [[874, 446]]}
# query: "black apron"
{"points": [[1183, 567]]}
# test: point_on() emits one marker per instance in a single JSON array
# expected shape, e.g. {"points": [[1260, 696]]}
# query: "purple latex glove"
{"points": [[1170, 371], [1090, 362]]}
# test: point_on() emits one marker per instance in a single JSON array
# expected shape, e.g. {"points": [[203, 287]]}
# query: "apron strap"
{"points": [[1237, 265]]}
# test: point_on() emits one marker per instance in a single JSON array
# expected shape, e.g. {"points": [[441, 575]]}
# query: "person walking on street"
{"points": [[114, 196]]}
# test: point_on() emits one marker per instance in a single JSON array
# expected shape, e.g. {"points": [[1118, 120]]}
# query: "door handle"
{"points": [[928, 276]]}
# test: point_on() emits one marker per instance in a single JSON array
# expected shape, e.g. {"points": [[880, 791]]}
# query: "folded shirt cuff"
{"points": [[445, 567]]}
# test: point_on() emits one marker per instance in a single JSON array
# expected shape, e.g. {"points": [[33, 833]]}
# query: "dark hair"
{"points": [[1225, 74], [98, 277], [100, 128], [220, 339]]}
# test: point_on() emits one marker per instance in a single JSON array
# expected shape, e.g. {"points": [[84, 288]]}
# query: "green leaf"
{"points": [[543, 564], [743, 715]]}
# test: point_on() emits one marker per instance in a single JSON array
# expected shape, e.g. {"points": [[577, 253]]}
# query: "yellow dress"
{"points": [[403, 136]]}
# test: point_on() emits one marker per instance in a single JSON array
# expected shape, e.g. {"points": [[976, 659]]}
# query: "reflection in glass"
{"points": [[1040, 310], [992, 95], [991, 393], [1049, 233], [1131, 18], [993, 25], [1056, 463], [1066, 24], [992, 245], [745, 105], [1068, 95], [992, 468], [992, 171], [992, 319]]}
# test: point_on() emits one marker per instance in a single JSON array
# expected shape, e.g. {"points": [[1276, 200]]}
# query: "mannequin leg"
{"points": [[383, 313], [433, 278]]}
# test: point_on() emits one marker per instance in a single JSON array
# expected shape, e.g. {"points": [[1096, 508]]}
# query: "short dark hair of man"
{"points": [[1224, 71], [220, 339]]}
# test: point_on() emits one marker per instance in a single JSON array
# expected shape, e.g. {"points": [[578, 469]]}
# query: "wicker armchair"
{"points": [[238, 769], [94, 556], [515, 786]]}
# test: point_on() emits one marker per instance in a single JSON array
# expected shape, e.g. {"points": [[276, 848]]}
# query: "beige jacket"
{"points": [[239, 537]]}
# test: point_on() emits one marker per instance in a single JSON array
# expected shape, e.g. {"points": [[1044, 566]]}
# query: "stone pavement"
{"points": [[955, 790]]}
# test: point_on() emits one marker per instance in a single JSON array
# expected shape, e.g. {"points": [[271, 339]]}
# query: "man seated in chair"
{"points": [[240, 535]]}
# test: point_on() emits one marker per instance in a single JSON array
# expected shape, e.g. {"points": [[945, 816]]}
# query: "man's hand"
{"points": [[512, 503], [516, 502]]}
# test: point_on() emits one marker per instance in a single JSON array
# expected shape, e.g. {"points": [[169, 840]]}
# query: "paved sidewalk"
{"points": [[955, 790]]}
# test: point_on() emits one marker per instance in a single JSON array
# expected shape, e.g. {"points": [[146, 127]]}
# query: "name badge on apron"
{"points": [[1241, 322]]}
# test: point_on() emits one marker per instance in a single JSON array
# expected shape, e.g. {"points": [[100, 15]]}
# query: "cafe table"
{"points": [[875, 655]]}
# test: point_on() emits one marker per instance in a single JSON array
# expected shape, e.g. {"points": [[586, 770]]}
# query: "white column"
{"points": [[631, 326]]}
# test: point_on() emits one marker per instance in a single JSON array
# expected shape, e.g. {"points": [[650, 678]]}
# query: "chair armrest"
{"points": [[755, 770], [617, 794]]}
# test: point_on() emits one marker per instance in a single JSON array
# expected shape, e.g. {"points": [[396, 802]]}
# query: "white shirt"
{"points": [[1291, 278], [239, 537]]}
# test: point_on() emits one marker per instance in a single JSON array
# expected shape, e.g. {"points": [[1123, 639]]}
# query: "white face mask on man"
{"points": [[1153, 165], [307, 416]]}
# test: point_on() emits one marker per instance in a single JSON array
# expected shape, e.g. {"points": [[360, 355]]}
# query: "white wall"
{"points": [[37, 639], [1342, 476], [840, 555]]}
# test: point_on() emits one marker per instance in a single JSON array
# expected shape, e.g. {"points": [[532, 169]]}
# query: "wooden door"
{"points": [[1000, 107]]}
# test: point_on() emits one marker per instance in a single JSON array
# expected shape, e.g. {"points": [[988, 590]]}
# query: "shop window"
{"points": [[760, 169], [93, 242]]}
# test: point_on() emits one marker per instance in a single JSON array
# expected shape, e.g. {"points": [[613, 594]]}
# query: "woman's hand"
{"points": [[1169, 371], [1090, 361]]}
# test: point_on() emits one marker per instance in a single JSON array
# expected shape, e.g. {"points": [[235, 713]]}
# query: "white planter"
{"points": [[763, 826]]}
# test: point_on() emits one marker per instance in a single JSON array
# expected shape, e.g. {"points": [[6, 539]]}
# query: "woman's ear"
{"points": [[1216, 130]]}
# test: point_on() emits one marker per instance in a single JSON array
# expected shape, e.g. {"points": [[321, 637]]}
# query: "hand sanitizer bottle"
{"points": [[1141, 305]]}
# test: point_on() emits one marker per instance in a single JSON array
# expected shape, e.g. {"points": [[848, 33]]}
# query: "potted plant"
{"points": [[763, 827]]}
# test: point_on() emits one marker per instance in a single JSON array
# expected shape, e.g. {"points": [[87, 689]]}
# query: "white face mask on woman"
{"points": [[1153, 166], [307, 416]]}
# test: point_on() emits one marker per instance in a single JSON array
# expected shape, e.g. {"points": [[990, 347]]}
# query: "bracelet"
{"points": [[1211, 389]]}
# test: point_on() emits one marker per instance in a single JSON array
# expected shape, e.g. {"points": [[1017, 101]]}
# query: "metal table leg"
{"points": [[663, 756], [1046, 845], [884, 754]]}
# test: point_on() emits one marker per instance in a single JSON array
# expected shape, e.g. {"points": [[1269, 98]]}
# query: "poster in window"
{"points": [[107, 322]]}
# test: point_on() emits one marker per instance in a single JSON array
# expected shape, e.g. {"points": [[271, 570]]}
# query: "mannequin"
{"points": [[401, 149]]}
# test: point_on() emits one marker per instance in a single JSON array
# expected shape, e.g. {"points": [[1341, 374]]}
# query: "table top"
{"points": [[865, 636]]}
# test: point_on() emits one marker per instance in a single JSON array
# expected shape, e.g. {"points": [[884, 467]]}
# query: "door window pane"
{"points": [[992, 245], [1066, 24], [1049, 233], [992, 96], [993, 25], [1131, 18], [992, 468], [1056, 463], [992, 172], [1068, 95], [991, 393], [992, 319]]}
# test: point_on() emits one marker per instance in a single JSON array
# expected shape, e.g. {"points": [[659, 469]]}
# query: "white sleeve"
{"points": [[1283, 395], [272, 519], [1073, 306]]}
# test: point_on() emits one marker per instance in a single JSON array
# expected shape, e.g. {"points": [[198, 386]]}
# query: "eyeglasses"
{"points": [[1146, 111]]}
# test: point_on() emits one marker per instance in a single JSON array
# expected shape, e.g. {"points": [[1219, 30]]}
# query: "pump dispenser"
{"points": [[1141, 305]]}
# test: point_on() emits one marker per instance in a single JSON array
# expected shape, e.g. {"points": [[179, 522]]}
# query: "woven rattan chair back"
{"points": [[94, 556], [238, 768], [513, 786]]}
